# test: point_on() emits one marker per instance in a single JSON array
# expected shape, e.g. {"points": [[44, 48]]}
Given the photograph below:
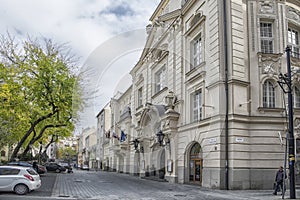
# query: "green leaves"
{"points": [[36, 91]]}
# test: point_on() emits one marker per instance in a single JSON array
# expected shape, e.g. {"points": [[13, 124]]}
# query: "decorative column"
{"points": [[169, 129]]}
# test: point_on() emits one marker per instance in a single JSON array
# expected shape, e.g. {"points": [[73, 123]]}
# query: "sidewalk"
{"points": [[257, 194], [240, 194]]}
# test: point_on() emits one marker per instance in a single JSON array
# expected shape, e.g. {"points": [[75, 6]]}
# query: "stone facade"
{"points": [[207, 80], [87, 147], [103, 126]]}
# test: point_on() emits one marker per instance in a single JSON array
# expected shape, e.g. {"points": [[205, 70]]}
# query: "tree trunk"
{"points": [[17, 149]]}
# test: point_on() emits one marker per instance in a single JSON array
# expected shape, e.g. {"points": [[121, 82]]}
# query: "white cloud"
{"points": [[88, 26]]}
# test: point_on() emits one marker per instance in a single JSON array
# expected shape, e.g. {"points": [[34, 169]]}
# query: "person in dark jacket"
{"points": [[280, 176], [35, 166]]}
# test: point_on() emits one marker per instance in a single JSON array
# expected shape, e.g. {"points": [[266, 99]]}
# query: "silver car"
{"points": [[20, 180]]}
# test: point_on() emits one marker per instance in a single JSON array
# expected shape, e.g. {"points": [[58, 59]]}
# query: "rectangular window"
{"points": [[196, 51], [196, 105], [160, 79], [266, 37], [140, 96], [293, 41]]}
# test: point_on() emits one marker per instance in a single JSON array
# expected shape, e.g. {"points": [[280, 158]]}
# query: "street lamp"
{"points": [[160, 136], [286, 79]]}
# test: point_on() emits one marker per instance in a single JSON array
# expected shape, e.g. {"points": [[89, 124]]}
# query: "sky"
{"points": [[106, 35]]}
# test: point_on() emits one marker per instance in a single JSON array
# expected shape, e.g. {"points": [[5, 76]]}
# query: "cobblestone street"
{"points": [[86, 185], [108, 185]]}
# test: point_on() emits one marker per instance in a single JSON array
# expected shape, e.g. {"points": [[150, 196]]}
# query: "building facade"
{"points": [[117, 150], [103, 127], [87, 141], [205, 106]]}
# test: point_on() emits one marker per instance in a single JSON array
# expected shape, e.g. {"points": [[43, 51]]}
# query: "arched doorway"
{"points": [[195, 164]]}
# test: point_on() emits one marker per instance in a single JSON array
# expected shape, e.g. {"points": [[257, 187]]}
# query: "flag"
{"points": [[115, 135], [123, 136]]}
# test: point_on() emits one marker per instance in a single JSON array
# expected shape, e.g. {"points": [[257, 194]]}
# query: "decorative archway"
{"points": [[195, 164]]}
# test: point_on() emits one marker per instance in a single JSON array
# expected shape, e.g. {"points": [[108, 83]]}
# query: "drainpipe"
{"points": [[226, 94]]}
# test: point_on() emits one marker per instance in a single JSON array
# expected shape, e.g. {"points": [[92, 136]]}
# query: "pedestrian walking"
{"points": [[280, 176]]}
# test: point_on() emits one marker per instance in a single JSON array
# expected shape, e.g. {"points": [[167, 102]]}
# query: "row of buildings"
{"points": [[205, 106]]}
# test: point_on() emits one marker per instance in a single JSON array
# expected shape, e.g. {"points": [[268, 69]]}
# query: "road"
{"points": [[83, 185]]}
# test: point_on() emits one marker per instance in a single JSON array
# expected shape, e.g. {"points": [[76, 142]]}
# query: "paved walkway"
{"points": [[111, 185]]}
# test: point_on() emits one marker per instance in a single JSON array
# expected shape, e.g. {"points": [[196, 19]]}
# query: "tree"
{"points": [[39, 90], [66, 153]]}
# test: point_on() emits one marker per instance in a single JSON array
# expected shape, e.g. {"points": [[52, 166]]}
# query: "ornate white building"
{"points": [[207, 82], [87, 141], [103, 126]]}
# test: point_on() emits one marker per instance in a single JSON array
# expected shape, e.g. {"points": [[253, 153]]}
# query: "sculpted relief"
{"points": [[266, 7]]}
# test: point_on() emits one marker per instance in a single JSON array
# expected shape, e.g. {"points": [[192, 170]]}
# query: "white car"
{"points": [[20, 180]]}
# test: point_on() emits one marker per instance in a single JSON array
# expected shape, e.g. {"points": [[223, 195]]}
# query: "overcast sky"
{"points": [[107, 36]]}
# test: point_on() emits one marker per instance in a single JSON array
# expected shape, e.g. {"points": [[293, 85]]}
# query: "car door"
{"points": [[7, 178], [52, 166]]}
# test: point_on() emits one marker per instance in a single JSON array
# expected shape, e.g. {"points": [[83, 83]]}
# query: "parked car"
{"points": [[41, 169], [20, 163], [54, 167], [18, 179], [67, 166], [85, 167]]}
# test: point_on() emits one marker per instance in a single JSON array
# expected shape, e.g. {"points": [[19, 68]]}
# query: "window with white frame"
{"points": [[196, 102], [297, 97], [268, 94], [140, 97], [293, 42], [160, 79], [196, 51], [266, 37]]}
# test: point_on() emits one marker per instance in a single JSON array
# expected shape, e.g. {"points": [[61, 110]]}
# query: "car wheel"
{"points": [[21, 189], [57, 171]]}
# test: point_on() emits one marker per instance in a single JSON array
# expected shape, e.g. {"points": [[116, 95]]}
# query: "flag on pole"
{"points": [[123, 136]]}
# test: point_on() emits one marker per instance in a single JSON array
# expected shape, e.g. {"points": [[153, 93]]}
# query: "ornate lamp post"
{"points": [[286, 79]]}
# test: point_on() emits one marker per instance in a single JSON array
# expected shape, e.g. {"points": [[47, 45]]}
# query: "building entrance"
{"points": [[195, 165]]}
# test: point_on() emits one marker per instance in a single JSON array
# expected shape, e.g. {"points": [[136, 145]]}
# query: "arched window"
{"points": [[195, 150], [268, 94], [297, 97], [3, 153]]}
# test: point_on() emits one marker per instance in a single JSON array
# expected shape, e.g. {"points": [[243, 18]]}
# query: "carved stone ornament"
{"points": [[268, 68], [297, 124], [293, 14], [296, 75], [270, 64], [266, 7]]}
